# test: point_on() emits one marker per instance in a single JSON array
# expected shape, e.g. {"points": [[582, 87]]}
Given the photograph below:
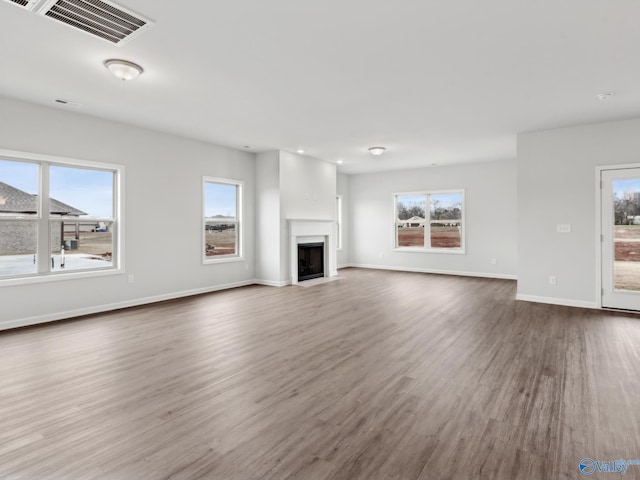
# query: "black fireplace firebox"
{"points": [[310, 261]]}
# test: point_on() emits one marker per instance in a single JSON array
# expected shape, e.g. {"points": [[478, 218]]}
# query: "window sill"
{"points": [[222, 259], [59, 277], [448, 251]]}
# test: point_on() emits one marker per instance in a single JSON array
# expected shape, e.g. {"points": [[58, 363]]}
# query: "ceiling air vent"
{"points": [[99, 18], [27, 4]]}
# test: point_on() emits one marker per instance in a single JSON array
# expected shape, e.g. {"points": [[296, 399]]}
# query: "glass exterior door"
{"points": [[620, 238]]}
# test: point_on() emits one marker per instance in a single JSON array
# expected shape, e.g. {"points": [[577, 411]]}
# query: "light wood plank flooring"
{"points": [[380, 375]]}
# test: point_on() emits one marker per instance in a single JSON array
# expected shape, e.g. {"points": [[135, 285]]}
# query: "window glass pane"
{"points": [[18, 188], [80, 192], [220, 201], [81, 244], [446, 220], [410, 214], [626, 234], [221, 219], [220, 238], [18, 246]]}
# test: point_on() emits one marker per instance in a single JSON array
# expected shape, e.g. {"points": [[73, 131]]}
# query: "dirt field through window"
{"points": [[441, 237], [221, 242]]}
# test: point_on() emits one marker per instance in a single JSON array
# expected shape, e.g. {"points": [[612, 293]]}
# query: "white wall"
{"points": [[307, 191], [163, 178], [288, 185], [342, 188], [556, 185], [307, 187], [491, 225], [268, 217]]}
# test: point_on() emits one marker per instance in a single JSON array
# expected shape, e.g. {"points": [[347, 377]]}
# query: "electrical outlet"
{"points": [[552, 279], [563, 228], [494, 261], [130, 279]]}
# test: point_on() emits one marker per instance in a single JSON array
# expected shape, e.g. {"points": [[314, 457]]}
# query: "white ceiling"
{"points": [[436, 82]]}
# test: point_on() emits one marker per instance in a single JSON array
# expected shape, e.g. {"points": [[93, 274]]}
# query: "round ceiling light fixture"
{"points": [[123, 69], [604, 96], [377, 151], [339, 161]]}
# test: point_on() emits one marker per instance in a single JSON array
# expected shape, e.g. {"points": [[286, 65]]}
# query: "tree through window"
{"points": [[430, 220]]}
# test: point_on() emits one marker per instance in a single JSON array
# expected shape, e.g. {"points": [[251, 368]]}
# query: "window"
{"points": [[339, 222], [57, 216], [222, 220], [430, 221]]}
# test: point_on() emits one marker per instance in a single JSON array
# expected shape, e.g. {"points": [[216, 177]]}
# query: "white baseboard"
{"points": [[439, 272], [52, 317], [557, 301], [345, 265], [271, 283]]}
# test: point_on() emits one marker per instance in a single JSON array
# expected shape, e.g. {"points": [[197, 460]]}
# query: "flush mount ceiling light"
{"points": [[604, 95], [300, 151], [377, 151], [123, 69], [339, 162]]}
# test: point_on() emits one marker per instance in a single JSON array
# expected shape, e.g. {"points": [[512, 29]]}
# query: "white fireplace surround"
{"points": [[311, 231]]}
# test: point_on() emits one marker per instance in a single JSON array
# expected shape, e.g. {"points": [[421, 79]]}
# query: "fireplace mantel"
{"points": [[303, 230]]}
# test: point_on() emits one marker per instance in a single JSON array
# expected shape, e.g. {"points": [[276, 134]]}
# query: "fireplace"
{"points": [[304, 231], [310, 260]]}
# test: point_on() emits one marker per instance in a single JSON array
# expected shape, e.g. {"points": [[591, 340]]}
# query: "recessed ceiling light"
{"points": [[377, 150], [604, 95], [339, 162], [123, 69], [300, 151]]}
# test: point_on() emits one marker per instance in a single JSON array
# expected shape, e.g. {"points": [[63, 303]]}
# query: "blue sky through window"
{"points": [[446, 200], [88, 190], [220, 199], [627, 186], [21, 175]]}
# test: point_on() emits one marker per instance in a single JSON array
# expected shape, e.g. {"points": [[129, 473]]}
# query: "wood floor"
{"points": [[380, 375]]}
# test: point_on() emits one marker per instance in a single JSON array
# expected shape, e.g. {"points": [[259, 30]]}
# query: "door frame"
{"points": [[598, 232]]}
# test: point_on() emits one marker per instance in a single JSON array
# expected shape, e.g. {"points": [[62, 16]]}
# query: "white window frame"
{"points": [[339, 224], [239, 255], [427, 237], [44, 220]]}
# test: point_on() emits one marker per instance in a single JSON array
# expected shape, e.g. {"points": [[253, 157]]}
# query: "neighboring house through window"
{"points": [[222, 219], [430, 221], [57, 216]]}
